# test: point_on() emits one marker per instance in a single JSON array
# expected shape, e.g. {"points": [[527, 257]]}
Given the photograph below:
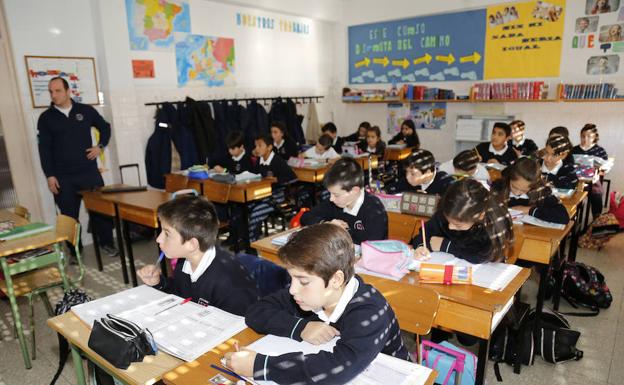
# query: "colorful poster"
{"points": [[152, 23], [397, 113], [429, 48], [524, 39], [143, 69], [428, 115], [205, 59]]}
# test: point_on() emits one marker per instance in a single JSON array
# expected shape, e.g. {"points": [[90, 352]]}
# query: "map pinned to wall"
{"points": [[205, 59], [152, 23], [430, 48]]}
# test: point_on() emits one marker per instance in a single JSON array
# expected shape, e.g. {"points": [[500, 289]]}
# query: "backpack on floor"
{"points": [[599, 232], [585, 287]]}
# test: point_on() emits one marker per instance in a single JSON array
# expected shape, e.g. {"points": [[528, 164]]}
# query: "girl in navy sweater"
{"points": [[283, 145], [589, 146], [407, 136], [523, 188], [555, 168]]}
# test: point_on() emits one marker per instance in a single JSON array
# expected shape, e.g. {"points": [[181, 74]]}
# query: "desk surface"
{"points": [[397, 153], [28, 242]]}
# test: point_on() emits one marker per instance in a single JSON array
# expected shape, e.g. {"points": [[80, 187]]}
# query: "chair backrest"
{"points": [[22, 212], [70, 228]]}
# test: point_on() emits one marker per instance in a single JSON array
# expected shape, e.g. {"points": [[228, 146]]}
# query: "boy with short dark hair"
{"points": [[325, 300], [331, 130], [239, 160], [466, 164], [421, 175], [322, 149], [349, 206], [204, 272], [269, 164], [497, 149]]}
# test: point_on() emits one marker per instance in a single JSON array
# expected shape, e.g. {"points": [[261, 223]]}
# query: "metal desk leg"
{"points": [[120, 246], [541, 293], [96, 242], [80, 376], [126, 235], [559, 275], [482, 360], [15, 310]]}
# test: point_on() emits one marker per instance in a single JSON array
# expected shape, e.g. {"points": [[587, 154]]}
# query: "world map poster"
{"points": [[205, 59], [152, 23]]}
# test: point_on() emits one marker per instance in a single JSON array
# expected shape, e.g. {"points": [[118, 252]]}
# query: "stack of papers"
{"points": [[492, 275], [247, 176], [563, 192], [383, 370], [397, 146]]}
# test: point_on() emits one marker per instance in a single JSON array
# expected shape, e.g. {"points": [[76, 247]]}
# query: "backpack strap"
{"points": [[593, 310]]}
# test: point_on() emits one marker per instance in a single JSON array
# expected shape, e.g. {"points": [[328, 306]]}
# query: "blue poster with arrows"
{"points": [[442, 47]]}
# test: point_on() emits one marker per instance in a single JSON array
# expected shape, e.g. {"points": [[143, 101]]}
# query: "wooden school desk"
{"points": [[463, 308], [175, 182], [13, 246], [199, 371], [77, 333], [397, 154]]}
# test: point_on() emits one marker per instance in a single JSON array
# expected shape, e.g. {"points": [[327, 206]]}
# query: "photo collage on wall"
{"points": [[601, 27]]}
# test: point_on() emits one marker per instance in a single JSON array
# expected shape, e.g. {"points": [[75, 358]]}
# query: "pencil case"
{"points": [[121, 342], [389, 257], [445, 274]]}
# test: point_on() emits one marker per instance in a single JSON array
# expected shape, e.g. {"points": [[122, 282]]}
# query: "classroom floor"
{"points": [[602, 338]]}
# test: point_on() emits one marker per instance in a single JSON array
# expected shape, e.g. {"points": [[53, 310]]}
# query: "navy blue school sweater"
{"points": [[278, 168], [527, 148], [64, 140], [507, 158], [550, 209], [370, 223], [288, 150], [367, 327], [410, 141], [238, 166], [380, 149], [226, 284], [473, 245], [564, 178], [595, 150], [338, 145], [440, 183]]}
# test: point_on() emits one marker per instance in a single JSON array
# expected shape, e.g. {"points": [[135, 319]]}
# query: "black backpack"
{"points": [[515, 343], [585, 287]]}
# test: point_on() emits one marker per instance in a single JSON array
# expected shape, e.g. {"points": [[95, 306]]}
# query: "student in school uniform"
{"points": [[331, 130], [349, 205], [522, 145], [322, 149], [469, 223], [407, 135], [283, 144], [554, 170], [326, 299], [523, 189], [360, 134], [270, 163], [589, 146], [497, 150], [373, 144], [421, 175], [204, 272], [466, 164], [239, 160]]}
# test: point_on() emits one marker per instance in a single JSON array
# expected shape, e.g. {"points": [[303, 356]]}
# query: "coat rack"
{"points": [[296, 99]]}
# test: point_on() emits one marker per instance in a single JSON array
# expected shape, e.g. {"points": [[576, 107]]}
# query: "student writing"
{"points": [[407, 135], [466, 165], [322, 149], [330, 129], [239, 160], [421, 175]]}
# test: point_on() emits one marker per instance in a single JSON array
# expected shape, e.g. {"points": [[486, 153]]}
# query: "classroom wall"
{"points": [[539, 117]]}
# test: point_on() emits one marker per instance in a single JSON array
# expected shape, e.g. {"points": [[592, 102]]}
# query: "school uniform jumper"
{"points": [[506, 156], [563, 175], [337, 144], [473, 245], [239, 164], [379, 149], [367, 325], [441, 181], [224, 283], [287, 149], [367, 222], [410, 141], [526, 146]]}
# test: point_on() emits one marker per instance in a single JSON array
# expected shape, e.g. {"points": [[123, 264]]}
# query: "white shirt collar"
{"points": [[498, 152], [278, 146], [268, 161], [356, 207], [587, 148], [65, 111], [520, 143], [425, 186], [238, 158], [554, 170], [335, 141], [371, 149], [521, 196], [347, 295], [204, 264]]}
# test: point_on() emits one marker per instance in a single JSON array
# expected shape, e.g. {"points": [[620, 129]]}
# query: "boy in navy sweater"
{"points": [[349, 206], [325, 300], [421, 175], [204, 272], [521, 144], [239, 161], [271, 164], [554, 169], [497, 150]]}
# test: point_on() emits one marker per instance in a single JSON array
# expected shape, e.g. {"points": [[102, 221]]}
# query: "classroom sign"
{"points": [[524, 39], [430, 48]]}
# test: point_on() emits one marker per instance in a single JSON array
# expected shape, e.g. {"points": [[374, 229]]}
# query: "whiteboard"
{"points": [[78, 71]]}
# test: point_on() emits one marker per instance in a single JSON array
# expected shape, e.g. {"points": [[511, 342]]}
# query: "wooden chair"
{"points": [[45, 272], [22, 212]]}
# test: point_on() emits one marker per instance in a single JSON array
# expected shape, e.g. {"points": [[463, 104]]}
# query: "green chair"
{"points": [[34, 276]]}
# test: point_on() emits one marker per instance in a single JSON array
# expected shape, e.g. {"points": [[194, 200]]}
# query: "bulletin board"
{"points": [[78, 71]]}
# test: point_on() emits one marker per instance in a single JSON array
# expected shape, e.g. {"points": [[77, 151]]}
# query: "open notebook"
{"points": [[383, 370]]}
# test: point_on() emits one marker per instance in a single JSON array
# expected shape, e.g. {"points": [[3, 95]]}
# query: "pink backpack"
{"points": [[390, 257]]}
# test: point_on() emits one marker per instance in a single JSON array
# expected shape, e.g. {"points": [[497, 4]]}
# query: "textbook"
{"points": [[24, 231], [383, 370]]}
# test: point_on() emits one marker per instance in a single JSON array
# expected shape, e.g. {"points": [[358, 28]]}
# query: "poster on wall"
{"points": [[205, 60], [429, 48], [397, 113], [78, 71], [428, 115], [152, 24], [524, 39]]}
